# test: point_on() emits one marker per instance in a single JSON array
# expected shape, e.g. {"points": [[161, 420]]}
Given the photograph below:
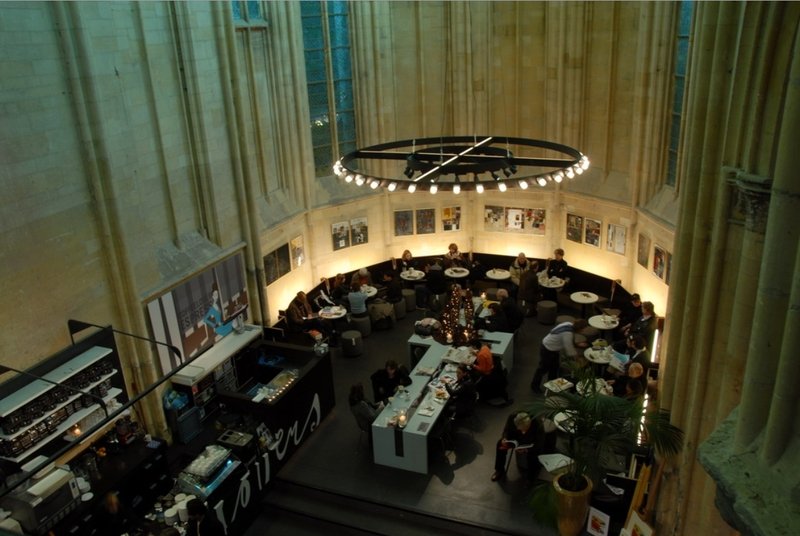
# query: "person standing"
{"points": [[518, 269], [201, 521], [560, 338]]}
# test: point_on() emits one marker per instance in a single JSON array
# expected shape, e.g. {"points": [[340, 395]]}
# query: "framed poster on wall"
{"points": [[575, 228], [643, 250], [426, 220], [359, 231], [493, 218], [515, 219], [659, 261], [592, 236], [615, 238], [668, 271], [340, 232], [403, 222], [297, 251], [199, 312], [451, 219], [535, 220]]}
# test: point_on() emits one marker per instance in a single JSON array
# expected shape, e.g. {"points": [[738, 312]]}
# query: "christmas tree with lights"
{"points": [[456, 329]]}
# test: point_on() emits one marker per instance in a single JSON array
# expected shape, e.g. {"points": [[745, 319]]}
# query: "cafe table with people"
{"points": [[401, 432]]}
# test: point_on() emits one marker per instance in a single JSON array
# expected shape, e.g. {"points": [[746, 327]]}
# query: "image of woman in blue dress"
{"points": [[214, 317]]}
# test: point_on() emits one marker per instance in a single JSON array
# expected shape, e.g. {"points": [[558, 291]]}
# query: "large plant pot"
{"points": [[573, 506]]}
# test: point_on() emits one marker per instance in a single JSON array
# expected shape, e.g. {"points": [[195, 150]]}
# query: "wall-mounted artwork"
{"points": [[515, 219], [668, 271], [643, 250], [199, 312], [426, 220], [535, 220], [340, 232], [575, 228], [493, 218], [592, 236], [297, 251], [659, 261], [403, 222], [451, 218], [277, 263], [615, 238], [359, 231]]}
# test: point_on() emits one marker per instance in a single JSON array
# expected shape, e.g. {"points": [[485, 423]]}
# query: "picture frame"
{"points": [[297, 252], [592, 232], [536, 220], [598, 523], [668, 271], [515, 219], [643, 250], [426, 220], [359, 231], [637, 527], [659, 261], [451, 218], [616, 235], [494, 218], [340, 233], [403, 222], [574, 228], [277, 263]]}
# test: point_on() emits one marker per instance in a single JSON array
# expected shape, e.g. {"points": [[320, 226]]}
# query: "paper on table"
{"points": [[554, 462], [425, 412]]}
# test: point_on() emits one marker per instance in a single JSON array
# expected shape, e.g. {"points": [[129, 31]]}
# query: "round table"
{"points": [[604, 323], [498, 274], [551, 282], [412, 275], [370, 291], [456, 273], [584, 298]]}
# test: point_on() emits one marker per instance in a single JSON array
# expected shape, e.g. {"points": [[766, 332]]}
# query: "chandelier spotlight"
{"points": [[438, 164]]}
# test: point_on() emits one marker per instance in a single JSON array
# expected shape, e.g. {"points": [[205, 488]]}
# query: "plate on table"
{"points": [[558, 385], [459, 271], [564, 422], [601, 387], [440, 395], [448, 377]]}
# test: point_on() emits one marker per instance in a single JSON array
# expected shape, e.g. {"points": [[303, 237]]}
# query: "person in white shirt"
{"points": [[560, 338]]}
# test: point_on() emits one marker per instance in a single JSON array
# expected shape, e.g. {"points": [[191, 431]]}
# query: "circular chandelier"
{"points": [[456, 163]]}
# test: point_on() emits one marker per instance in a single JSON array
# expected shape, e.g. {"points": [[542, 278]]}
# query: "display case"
{"points": [[37, 412]]}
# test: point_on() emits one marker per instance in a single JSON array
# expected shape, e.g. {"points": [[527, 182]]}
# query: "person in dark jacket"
{"points": [[201, 521]]}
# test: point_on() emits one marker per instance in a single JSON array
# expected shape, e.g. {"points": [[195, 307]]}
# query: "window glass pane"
{"points": [[337, 8], [309, 8], [672, 168], [236, 7], [338, 30], [675, 132], [318, 99], [315, 66], [343, 93], [677, 103], [683, 56], [253, 10], [323, 160], [320, 132], [346, 147], [346, 126], [340, 62], [685, 23]]}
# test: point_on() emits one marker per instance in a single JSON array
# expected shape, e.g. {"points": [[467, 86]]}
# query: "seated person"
{"points": [[632, 384], [646, 324], [637, 349], [496, 321], [463, 394], [529, 292], [523, 429], [491, 381], [514, 315], [453, 258], [435, 284], [301, 317], [404, 263], [363, 410], [386, 380], [339, 290], [362, 277], [555, 267], [394, 290], [631, 312], [357, 299], [518, 268]]}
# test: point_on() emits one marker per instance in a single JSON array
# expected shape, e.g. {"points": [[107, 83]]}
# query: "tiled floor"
{"points": [[337, 457]]}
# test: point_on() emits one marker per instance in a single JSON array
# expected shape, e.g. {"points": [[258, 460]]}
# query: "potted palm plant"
{"points": [[599, 428]]}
